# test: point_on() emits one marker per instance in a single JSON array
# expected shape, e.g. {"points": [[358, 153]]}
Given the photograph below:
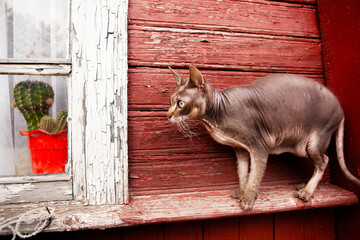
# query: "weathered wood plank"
{"points": [[160, 47], [269, 17], [179, 207], [35, 69], [159, 172], [312, 2], [35, 178], [98, 106], [53, 61], [35, 192], [151, 88]]}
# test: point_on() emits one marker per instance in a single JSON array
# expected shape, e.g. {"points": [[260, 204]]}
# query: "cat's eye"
{"points": [[180, 103]]}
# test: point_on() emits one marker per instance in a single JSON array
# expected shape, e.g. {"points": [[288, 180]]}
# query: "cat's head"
{"points": [[189, 100]]}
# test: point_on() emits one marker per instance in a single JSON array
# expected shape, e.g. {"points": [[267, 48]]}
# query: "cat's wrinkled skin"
{"points": [[275, 114]]}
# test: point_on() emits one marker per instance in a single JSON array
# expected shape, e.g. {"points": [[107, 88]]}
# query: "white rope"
{"points": [[42, 218]]}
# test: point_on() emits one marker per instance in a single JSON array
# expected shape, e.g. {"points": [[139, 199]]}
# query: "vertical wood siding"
{"points": [[339, 22], [99, 101]]}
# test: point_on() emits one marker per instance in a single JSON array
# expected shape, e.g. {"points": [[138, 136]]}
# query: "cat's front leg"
{"points": [[257, 170], [243, 159]]}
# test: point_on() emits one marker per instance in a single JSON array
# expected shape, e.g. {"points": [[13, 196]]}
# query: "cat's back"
{"points": [[295, 98], [287, 100], [290, 82]]}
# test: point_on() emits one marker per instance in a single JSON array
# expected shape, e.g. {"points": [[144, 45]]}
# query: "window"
{"points": [[35, 46], [90, 80]]}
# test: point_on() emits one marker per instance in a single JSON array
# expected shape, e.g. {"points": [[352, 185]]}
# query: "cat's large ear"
{"points": [[180, 80], [196, 77]]}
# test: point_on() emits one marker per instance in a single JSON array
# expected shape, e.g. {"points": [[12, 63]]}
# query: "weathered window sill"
{"points": [[68, 216]]}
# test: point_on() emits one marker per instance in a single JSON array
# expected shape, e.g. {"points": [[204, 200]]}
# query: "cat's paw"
{"points": [[247, 200], [303, 194], [236, 194], [300, 186]]}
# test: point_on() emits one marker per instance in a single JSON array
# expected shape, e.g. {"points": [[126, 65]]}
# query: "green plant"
{"points": [[61, 121], [48, 124], [33, 99]]}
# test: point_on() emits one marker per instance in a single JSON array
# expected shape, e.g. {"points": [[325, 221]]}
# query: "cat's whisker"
{"points": [[182, 130], [189, 130]]}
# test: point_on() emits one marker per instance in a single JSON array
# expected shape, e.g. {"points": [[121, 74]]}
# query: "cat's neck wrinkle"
{"points": [[216, 106]]}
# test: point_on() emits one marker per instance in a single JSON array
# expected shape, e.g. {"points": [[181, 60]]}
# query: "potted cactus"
{"points": [[47, 137]]}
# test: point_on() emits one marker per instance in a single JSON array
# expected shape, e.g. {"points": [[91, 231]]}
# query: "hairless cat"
{"points": [[274, 114]]}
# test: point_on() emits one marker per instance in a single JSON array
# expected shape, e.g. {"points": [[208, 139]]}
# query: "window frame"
{"points": [[45, 187], [87, 178]]}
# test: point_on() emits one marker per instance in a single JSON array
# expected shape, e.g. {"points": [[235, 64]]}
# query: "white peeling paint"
{"points": [[98, 105]]}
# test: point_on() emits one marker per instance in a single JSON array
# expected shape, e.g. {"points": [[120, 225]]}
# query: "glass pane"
{"points": [[15, 156], [34, 28]]}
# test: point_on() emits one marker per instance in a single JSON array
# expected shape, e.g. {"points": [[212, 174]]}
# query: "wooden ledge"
{"points": [[69, 216]]}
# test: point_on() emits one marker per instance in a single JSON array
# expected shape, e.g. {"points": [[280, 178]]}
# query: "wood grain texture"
{"points": [[150, 88], [160, 47], [153, 173], [98, 108], [180, 207], [162, 159], [261, 17], [35, 69], [36, 192]]}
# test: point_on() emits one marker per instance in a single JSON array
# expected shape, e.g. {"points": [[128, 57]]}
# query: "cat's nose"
{"points": [[169, 116]]}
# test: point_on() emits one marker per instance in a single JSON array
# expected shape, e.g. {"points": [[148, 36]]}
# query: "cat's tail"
{"points": [[340, 153]]}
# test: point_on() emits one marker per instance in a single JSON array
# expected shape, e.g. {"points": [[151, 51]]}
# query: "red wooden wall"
{"points": [[340, 24], [232, 43]]}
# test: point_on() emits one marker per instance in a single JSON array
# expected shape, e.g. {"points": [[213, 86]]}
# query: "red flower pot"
{"points": [[48, 151]]}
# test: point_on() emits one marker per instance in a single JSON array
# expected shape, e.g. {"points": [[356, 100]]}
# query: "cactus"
{"points": [[47, 124], [61, 121], [33, 99]]}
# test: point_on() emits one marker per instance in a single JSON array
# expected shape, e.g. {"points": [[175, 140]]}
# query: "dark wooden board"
{"points": [[257, 227], [339, 21], [183, 231], [222, 229], [311, 224]]}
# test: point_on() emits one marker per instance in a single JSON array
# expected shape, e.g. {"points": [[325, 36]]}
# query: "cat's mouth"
{"points": [[177, 119], [183, 126]]}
